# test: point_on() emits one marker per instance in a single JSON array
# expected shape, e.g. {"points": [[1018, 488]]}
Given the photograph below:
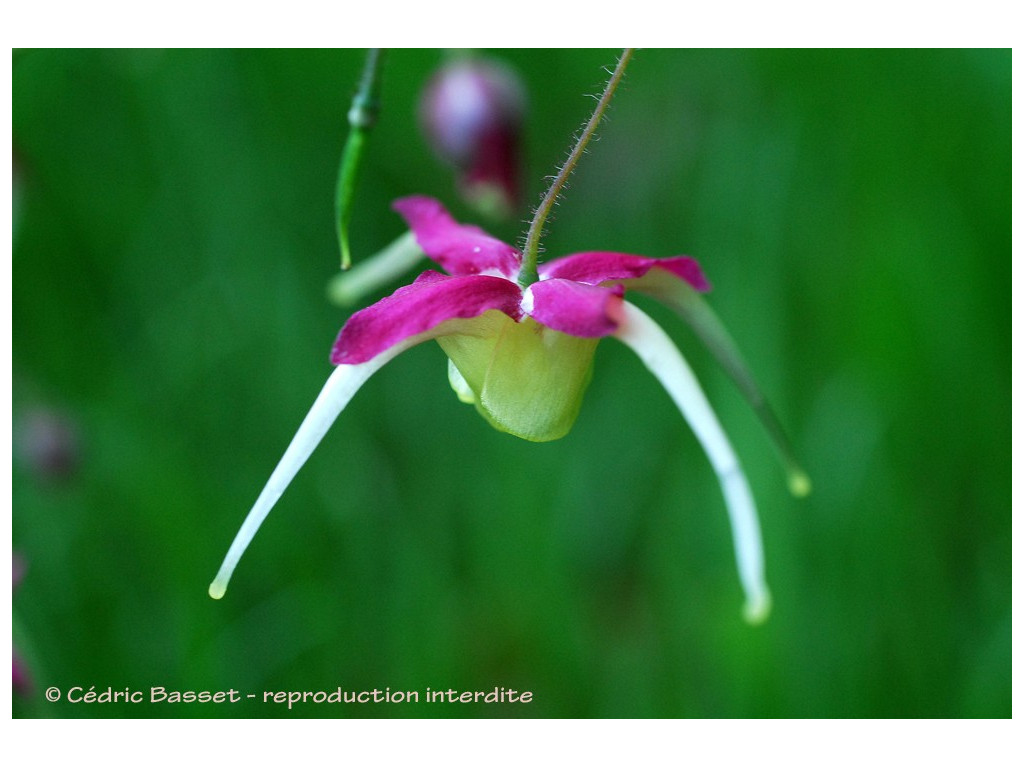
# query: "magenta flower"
{"points": [[521, 355]]}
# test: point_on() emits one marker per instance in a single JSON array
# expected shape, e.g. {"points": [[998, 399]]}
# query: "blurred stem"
{"points": [[528, 272], [346, 289], [362, 116]]}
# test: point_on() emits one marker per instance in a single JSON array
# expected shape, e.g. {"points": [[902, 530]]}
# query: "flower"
{"points": [[522, 355], [472, 113]]}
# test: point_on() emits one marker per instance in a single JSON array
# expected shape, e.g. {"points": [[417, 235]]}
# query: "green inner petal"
{"points": [[462, 389], [528, 379], [471, 347]]}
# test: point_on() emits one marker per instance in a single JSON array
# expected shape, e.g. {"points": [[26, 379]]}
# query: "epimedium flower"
{"points": [[522, 355]]}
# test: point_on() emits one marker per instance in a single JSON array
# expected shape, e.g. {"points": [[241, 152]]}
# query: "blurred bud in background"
{"points": [[47, 443], [21, 683], [472, 113]]}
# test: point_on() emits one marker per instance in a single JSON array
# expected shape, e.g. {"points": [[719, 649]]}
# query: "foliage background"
{"points": [[173, 237]]}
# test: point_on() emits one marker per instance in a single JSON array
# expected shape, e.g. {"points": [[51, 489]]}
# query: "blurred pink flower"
{"points": [[472, 114], [47, 441]]}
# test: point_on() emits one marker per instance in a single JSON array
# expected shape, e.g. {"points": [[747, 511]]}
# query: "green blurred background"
{"points": [[173, 239]]}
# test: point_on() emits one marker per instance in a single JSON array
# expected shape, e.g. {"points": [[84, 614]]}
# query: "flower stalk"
{"points": [[531, 247]]}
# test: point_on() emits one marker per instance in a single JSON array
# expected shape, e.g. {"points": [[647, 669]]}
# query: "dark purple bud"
{"points": [[21, 681], [472, 113], [17, 569], [48, 444]]}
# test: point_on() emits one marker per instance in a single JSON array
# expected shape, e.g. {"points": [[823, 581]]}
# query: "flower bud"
{"points": [[472, 114], [20, 680]]}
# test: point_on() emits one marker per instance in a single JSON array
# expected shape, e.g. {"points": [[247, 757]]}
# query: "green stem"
{"points": [[528, 272], [362, 116]]}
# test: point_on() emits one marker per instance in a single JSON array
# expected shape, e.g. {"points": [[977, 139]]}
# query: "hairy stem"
{"points": [[528, 272]]}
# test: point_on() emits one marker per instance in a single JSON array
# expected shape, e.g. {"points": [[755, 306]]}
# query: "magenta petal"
{"points": [[583, 310], [461, 249], [595, 267], [413, 309]]}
